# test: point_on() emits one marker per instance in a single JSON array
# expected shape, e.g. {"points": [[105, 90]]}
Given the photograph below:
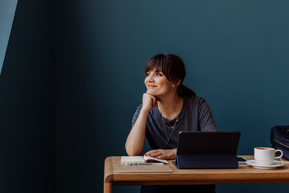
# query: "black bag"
{"points": [[280, 139]]}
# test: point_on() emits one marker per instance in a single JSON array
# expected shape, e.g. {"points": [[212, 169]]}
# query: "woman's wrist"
{"points": [[174, 153], [145, 111]]}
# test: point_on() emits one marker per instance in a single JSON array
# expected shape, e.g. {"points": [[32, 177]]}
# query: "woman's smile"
{"points": [[151, 86]]}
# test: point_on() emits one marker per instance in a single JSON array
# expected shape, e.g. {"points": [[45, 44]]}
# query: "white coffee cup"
{"points": [[265, 155]]}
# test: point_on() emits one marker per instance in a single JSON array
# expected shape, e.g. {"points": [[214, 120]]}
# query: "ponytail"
{"points": [[185, 91]]}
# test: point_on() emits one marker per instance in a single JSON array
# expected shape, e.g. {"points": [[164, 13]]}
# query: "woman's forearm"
{"points": [[135, 141]]}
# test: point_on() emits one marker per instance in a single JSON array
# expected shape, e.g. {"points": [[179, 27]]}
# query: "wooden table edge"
{"points": [[110, 179]]}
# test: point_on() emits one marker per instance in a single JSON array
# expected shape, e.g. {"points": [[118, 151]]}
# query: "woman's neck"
{"points": [[170, 107]]}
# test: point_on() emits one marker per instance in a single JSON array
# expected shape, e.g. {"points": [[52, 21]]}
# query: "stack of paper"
{"points": [[140, 159]]}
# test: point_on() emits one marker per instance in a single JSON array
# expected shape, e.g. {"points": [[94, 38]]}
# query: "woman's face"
{"points": [[157, 83]]}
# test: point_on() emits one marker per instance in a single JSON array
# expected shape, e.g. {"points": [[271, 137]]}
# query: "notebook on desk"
{"points": [[208, 150]]}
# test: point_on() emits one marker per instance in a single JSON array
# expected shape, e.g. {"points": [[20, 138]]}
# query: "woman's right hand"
{"points": [[136, 139], [149, 101]]}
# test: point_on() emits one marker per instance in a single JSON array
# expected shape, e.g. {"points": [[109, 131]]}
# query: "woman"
{"points": [[167, 108]]}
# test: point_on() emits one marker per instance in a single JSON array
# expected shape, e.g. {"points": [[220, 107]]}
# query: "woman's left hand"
{"points": [[162, 153]]}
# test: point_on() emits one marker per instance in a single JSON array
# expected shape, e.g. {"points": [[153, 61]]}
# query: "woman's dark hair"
{"points": [[173, 68]]}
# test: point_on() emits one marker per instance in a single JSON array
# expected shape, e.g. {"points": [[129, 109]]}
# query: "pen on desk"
{"points": [[148, 163], [128, 164]]}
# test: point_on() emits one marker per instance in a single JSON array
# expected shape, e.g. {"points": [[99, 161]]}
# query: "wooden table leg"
{"points": [[107, 188], [108, 174]]}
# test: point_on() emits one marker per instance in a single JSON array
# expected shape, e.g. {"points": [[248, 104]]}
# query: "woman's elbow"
{"points": [[132, 154], [132, 151]]}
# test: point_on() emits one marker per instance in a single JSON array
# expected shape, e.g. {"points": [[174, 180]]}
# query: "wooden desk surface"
{"points": [[244, 174]]}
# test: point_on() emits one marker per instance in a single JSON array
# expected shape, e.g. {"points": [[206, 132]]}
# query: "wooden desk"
{"points": [[245, 174]]}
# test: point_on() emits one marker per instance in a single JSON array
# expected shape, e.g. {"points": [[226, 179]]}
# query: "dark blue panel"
{"points": [[27, 101]]}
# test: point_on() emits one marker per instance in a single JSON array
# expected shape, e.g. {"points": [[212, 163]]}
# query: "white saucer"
{"points": [[275, 164]]}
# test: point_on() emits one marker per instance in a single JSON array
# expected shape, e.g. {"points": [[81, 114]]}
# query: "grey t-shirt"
{"points": [[194, 116]]}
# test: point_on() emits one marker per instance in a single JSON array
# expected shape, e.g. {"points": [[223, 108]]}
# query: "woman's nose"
{"points": [[150, 78]]}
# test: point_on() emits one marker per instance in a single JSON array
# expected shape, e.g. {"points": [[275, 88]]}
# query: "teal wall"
{"points": [[236, 54], [7, 11], [27, 102]]}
